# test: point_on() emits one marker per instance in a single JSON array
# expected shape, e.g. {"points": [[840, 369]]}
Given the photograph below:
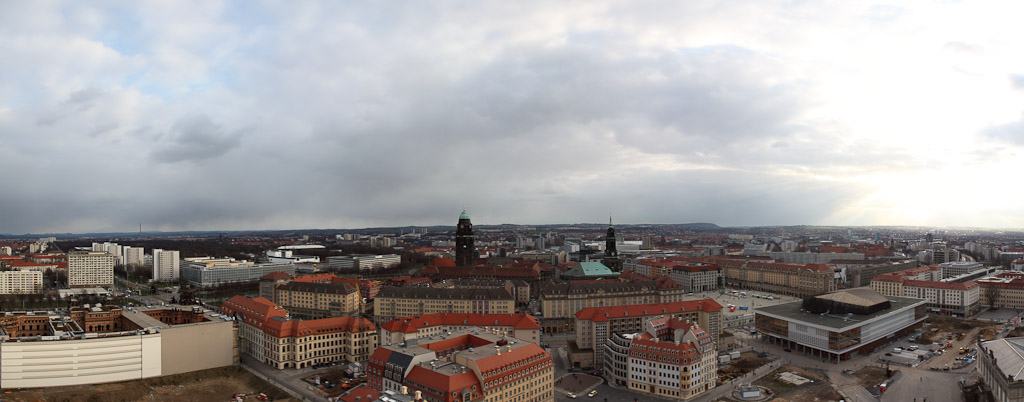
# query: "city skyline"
{"points": [[221, 116]]}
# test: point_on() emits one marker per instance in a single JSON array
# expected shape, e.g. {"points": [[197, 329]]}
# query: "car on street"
{"points": [[571, 395], [592, 393]]}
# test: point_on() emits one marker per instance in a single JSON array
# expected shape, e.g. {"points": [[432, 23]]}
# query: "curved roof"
{"points": [[464, 215]]}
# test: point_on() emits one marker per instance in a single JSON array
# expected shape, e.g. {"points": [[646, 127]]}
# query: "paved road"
{"points": [[936, 386], [289, 378]]}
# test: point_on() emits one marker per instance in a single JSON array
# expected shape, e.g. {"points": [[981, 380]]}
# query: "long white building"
{"points": [[21, 282], [90, 268]]}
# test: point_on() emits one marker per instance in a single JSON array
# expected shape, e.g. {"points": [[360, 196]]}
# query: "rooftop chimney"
{"points": [[405, 390]]}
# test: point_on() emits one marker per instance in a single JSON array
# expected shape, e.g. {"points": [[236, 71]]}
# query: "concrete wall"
{"points": [[194, 347], [80, 361]]}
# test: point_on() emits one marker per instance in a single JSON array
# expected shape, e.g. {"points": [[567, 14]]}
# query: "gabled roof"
{"points": [[598, 314], [316, 278], [1009, 356]]}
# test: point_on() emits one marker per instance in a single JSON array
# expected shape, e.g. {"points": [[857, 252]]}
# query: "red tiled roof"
{"points": [[606, 313], [443, 262], [362, 393], [275, 275], [316, 278], [272, 319], [506, 358], [442, 382], [941, 285], [413, 324]]}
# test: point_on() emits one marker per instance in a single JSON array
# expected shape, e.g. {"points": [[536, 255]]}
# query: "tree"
{"points": [[992, 294]]}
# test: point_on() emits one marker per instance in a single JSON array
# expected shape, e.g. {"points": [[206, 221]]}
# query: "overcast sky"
{"points": [[210, 115]]}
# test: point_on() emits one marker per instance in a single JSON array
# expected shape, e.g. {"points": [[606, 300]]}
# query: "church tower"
{"points": [[465, 253], [611, 255]]}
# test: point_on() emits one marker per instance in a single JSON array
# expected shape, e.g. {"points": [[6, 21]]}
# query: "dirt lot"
{"points": [[207, 385], [747, 362], [870, 376], [939, 327], [818, 390]]}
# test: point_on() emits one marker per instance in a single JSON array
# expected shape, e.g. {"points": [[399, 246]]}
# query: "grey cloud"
{"points": [[83, 99], [194, 139], [103, 128]]}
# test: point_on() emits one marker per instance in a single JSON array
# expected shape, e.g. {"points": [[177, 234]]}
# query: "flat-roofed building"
{"points": [[166, 265], [100, 344], [519, 326], [519, 289], [363, 262], [269, 335], [959, 268], [1004, 290], [21, 282], [465, 366], [395, 302], [209, 272], [90, 268], [698, 277], [594, 325], [836, 325]]}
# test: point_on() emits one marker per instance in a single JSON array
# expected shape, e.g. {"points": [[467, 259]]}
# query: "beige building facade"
{"points": [[397, 302], [90, 268]]}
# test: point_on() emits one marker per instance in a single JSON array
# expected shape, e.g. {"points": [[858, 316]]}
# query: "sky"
{"points": [[238, 115]]}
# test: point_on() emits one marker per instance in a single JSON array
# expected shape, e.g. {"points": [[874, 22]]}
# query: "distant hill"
{"points": [[699, 225]]}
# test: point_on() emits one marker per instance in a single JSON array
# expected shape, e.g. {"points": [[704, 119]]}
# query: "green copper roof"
{"points": [[609, 221], [464, 214]]}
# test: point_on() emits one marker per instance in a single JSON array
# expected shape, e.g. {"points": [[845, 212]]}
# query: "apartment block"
{"points": [[21, 282], [671, 358], [90, 269], [166, 265]]}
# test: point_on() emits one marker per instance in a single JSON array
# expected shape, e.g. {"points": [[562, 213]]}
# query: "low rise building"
{"points": [[1004, 290], [210, 272], [363, 262], [776, 277], [962, 299], [698, 277], [395, 302], [958, 268], [519, 289], [594, 325], [100, 344], [464, 366], [836, 325], [269, 335], [21, 282], [561, 300], [315, 300], [672, 358], [520, 326]]}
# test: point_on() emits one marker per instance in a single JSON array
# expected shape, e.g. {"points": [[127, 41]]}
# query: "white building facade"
{"points": [[166, 265], [90, 268]]}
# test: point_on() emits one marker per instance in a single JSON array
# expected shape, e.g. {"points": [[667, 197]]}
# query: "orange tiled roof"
{"points": [[275, 275], [606, 313], [413, 324]]}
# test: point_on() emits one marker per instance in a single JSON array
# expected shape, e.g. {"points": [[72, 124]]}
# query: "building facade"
{"points": [[268, 334], [363, 262], [463, 367], [561, 300], [90, 268], [101, 344], [595, 325], [21, 282], [672, 359], [395, 302], [1001, 367], [962, 299], [836, 325], [520, 326], [166, 265], [315, 300], [210, 272], [698, 277], [776, 277]]}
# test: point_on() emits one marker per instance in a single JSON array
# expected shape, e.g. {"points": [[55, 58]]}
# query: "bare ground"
{"points": [[818, 391]]}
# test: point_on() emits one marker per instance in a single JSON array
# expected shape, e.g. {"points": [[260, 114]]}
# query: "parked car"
{"points": [[571, 395]]}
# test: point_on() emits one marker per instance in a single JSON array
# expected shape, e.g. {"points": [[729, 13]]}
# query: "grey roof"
{"points": [[864, 296], [1009, 354], [417, 292], [793, 311]]}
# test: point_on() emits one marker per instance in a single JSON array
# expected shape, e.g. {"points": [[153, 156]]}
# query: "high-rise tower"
{"points": [[465, 253], [611, 255]]}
